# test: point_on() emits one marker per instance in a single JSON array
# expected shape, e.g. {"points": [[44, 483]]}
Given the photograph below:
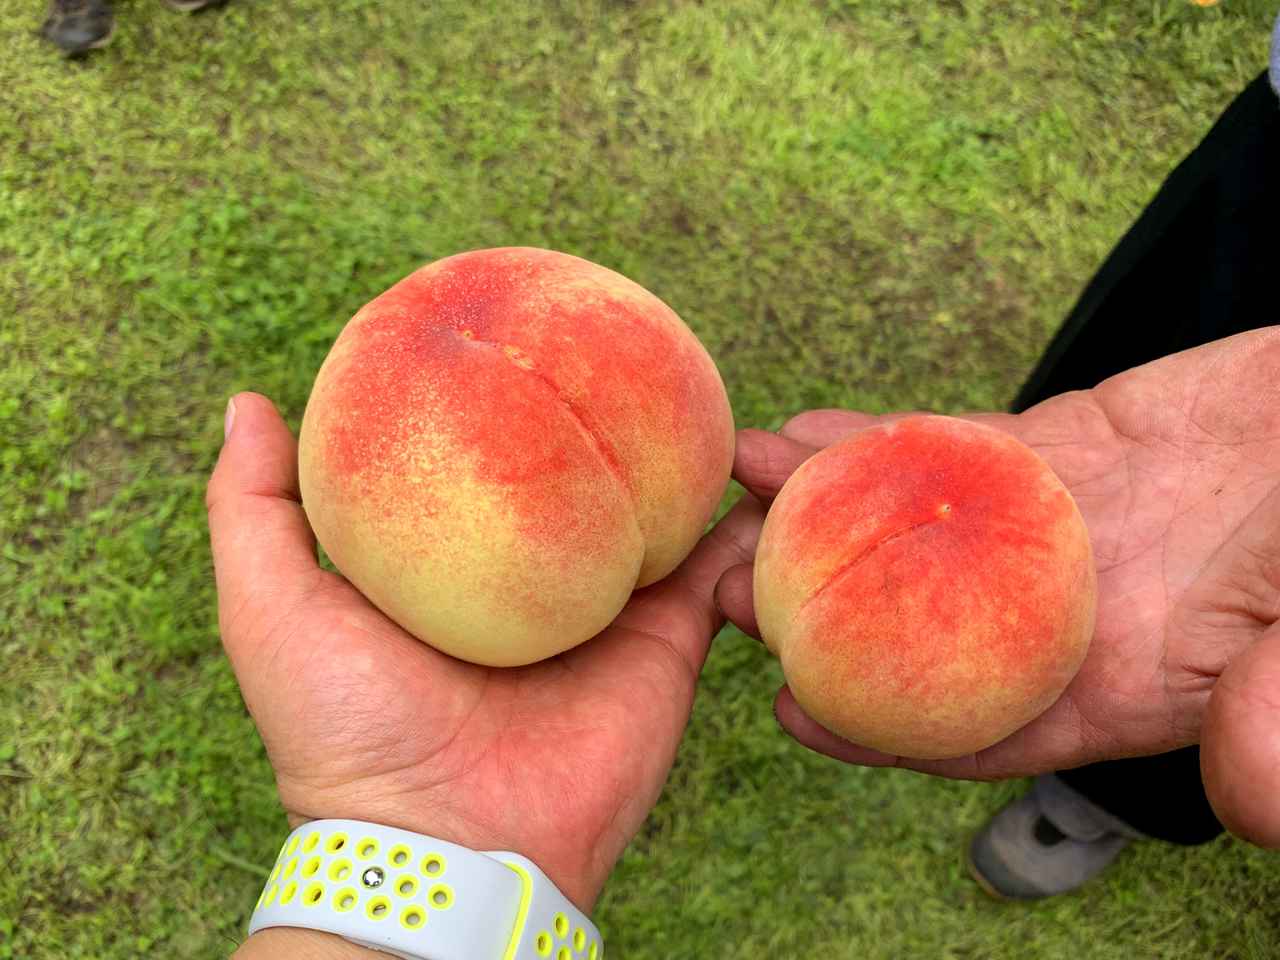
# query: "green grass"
{"points": [[879, 204]]}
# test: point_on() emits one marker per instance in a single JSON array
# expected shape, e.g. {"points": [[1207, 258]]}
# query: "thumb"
{"points": [[263, 550], [1240, 743]]}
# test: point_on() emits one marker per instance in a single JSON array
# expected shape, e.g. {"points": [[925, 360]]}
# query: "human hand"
{"points": [[559, 761], [1176, 468]]}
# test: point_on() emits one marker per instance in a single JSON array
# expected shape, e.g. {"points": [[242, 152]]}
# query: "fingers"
{"points": [[808, 732], [734, 598], [1051, 742], [682, 607], [263, 549], [822, 428], [763, 461], [1240, 743]]}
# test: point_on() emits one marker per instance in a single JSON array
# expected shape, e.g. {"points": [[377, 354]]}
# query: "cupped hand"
{"points": [[1176, 468], [560, 761]]}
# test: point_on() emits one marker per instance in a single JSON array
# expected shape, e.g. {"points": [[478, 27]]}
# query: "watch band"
{"points": [[420, 898]]}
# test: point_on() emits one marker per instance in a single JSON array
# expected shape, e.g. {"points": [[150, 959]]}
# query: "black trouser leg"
{"points": [[1201, 263], [1161, 796]]}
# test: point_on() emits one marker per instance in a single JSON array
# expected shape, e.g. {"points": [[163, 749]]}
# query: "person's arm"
{"points": [[362, 721], [1176, 468], [288, 943]]}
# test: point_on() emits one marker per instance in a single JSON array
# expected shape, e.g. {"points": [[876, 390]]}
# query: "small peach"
{"points": [[928, 585]]}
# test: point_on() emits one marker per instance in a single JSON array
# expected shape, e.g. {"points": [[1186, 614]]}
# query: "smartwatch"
{"points": [[420, 898]]}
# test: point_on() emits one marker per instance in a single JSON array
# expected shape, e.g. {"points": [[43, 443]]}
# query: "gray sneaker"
{"points": [[78, 26], [191, 6], [1051, 841]]}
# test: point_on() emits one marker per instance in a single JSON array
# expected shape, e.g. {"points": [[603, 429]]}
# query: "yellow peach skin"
{"points": [[499, 449], [928, 585]]}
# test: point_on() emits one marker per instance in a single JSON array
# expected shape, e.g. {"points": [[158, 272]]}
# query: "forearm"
{"points": [[288, 943]]}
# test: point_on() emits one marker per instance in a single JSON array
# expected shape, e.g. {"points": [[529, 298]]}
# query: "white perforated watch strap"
{"points": [[420, 898]]}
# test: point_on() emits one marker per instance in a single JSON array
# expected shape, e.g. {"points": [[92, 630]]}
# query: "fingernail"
{"points": [[229, 420]]}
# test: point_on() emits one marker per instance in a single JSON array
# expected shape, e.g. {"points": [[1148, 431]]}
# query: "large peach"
{"points": [[499, 449], [928, 585]]}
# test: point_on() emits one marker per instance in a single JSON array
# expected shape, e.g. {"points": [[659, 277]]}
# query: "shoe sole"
{"points": [[98, 44], [982, 881]]}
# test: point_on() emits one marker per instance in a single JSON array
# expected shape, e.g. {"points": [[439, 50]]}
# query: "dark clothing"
{"points": [[1201, 263], [1160, 796]]}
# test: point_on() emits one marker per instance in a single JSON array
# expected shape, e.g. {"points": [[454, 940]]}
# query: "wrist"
{"points": [[580, 881], [412, 894], [285, 943]]}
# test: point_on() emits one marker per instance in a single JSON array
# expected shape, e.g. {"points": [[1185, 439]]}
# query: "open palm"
{"points": [[559, 761], [1176, 468]]}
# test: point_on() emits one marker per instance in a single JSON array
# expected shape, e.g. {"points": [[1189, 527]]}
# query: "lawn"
{"points": [[875, 204]]}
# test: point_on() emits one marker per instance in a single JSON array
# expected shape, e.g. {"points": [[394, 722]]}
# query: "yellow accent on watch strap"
{"points": [[526, 896]]}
